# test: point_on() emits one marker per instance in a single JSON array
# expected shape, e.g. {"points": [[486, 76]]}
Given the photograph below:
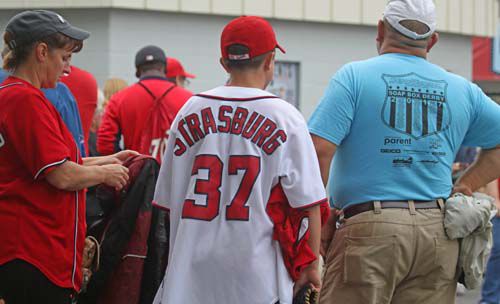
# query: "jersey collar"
{"points": [[230, 92]]}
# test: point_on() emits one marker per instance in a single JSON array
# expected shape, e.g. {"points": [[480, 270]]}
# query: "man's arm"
{"points": [[108, 134], [325, 151], [492, 190], [484, 170]]}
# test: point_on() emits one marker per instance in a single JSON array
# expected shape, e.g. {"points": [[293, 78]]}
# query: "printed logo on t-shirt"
{"points": [[2, 141], [415, 105]]}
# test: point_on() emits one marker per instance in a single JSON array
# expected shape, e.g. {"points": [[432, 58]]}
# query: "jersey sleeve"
{"points": [[108, 135], [484, 129], [333, 117], [300, 175], [37, 137]]}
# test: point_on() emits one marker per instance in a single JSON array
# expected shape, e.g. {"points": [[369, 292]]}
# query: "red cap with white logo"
{"points": [[175, 68], [253, 32]]}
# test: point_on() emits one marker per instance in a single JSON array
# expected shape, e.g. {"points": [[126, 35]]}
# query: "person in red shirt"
{"points": [[42, 176], [176, 73], [83, 85], [143, 112]]}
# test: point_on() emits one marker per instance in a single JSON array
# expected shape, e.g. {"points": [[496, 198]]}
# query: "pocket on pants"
{"points": [[444, 267], [369, 260]]}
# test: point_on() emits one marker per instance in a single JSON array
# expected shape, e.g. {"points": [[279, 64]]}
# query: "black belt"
{"points": [[368, 206]]}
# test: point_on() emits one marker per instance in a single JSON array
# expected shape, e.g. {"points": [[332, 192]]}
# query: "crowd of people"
{"points": [[254, 194]]}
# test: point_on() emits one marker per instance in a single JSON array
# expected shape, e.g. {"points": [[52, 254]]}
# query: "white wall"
{"points": [[476, 17], [95, 53], [321, 48]]}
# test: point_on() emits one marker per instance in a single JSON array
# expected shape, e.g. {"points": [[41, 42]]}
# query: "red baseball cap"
{"points": [[175, 68], [251, 31]]}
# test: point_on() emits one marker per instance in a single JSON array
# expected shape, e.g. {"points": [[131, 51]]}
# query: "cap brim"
{"points": [[280, 48], [75, 33], [188, 75]]}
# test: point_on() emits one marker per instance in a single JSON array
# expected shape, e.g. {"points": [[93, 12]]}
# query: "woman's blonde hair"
{"points": [[112, 86]]}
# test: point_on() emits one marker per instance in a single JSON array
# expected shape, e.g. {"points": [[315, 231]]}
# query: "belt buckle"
{"points": [[340, 219]]}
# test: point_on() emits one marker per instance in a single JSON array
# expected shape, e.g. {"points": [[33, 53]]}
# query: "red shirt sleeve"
{"points": [[34, 130], [108, 135]]}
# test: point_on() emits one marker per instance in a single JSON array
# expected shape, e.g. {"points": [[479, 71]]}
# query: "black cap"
{"points": [[30, 26], [150, 54]]}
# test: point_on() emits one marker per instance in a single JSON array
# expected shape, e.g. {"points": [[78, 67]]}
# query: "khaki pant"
{"points": [[396, 256]]}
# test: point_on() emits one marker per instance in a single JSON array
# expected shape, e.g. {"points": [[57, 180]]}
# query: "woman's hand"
{"points": [[123, 155], [117, 158], [115, 176]]}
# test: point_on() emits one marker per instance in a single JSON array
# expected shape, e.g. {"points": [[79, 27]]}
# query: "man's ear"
{"points": [[42, 52], [269, 61], [380, 31], [178, 79], [432, 41], [221, 60]]}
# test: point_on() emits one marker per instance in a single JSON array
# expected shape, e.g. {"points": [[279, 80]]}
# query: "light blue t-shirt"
{"points": [[398, 121]]}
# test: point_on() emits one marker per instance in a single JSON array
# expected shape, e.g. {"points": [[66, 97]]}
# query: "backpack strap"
{"points": [[155, 99]]}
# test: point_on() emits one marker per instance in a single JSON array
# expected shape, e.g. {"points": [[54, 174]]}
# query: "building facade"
{"points": [[319, 35]]}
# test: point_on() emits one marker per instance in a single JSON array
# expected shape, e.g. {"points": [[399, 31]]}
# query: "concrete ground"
{"points": [[470, 297]]}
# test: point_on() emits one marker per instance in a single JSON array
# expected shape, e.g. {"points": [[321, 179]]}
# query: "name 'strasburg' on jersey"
{"points": [[253, 126]]}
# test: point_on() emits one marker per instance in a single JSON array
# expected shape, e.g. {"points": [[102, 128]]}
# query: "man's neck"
{"points": [[152, 73], [394, 48], [401, 51], [248, 80]]}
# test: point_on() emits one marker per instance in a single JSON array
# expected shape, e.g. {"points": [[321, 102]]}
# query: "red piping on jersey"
{"points": [[313, 204], [236, 99], [161, 207]]}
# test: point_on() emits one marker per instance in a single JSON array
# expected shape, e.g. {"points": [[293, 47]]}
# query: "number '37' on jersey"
{"points": [[227, 149]]}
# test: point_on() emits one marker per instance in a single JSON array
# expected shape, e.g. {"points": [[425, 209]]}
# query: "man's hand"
{"points": [[309, 275], [461, 188]]}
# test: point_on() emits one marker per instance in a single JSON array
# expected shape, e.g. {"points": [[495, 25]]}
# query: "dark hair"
{"points": [[12, 58], [252, 63], [155, 65]]}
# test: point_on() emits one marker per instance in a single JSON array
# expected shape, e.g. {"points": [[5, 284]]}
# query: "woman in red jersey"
{"points": [[42, 177]]}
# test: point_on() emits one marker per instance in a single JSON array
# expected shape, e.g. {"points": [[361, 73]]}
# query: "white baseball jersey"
{"points": [[227, 149]]}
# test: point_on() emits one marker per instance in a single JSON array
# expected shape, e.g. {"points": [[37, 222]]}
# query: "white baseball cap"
{"points": [[423, 11]]}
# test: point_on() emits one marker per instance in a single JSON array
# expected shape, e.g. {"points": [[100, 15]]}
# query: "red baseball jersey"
{"points": [[137, 113], [228, 149], [39, 223], [83, 85]]}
